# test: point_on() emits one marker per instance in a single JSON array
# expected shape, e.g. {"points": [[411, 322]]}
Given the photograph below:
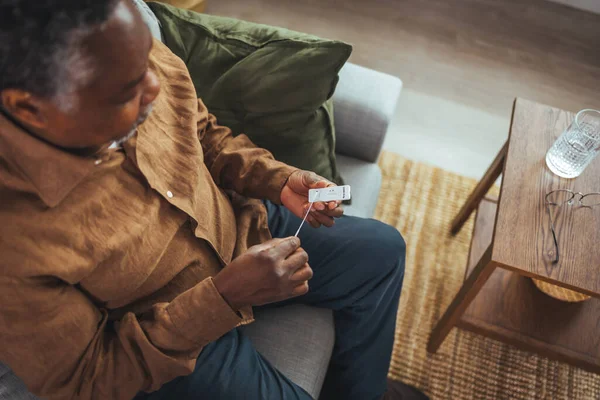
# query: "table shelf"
{"points": [[511, 309]]}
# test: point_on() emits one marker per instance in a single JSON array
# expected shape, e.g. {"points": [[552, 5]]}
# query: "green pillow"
{"points": [[272, 84]]}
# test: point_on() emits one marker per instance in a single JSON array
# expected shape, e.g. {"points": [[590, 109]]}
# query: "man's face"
{"points": [[117, 93]]}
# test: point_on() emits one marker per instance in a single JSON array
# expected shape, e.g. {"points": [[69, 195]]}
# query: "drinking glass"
{"points": [[575, 149]]}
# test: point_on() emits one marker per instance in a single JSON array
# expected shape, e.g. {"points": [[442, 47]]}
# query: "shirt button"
{"points": [[170, 194], [98, 162]]}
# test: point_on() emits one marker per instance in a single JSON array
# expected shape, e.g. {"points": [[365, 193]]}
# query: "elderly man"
{"points": [[136, 233]]}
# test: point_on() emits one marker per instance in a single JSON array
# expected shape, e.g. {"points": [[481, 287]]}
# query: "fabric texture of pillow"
{"points": [[272, 84]]}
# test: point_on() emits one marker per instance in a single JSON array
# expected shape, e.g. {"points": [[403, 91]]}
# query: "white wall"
{"points": [[589, 5]]}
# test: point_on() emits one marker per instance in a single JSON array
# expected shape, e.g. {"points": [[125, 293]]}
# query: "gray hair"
{"points": [[40, 43]]}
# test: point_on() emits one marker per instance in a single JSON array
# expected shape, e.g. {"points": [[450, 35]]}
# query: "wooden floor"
{"points": [[462, 61]]}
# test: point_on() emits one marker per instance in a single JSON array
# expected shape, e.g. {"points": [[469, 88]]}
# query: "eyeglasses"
{"points": [[561, 197]]}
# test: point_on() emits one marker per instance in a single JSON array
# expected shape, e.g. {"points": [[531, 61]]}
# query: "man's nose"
{"points": [[152, 88]]}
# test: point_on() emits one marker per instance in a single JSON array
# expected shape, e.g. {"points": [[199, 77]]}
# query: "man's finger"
{"points": [[300, 289], [319, 206], [312, 221], [333, 204], [303, 274], [335, 213], [296, 260], [284, 247], [323, 219], [269, 244], [315, 205]]}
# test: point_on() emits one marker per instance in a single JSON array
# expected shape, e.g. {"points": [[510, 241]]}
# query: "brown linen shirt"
{"points": [[106, 263]]}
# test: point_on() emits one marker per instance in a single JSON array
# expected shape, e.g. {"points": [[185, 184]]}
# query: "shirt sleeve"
{"points": [[64, 347], [236, 163]]}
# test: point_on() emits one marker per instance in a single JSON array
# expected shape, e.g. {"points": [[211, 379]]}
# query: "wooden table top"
{"points": [[523, 239]]}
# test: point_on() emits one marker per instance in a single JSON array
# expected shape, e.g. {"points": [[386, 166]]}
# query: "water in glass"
{"points": [[577, 146]]}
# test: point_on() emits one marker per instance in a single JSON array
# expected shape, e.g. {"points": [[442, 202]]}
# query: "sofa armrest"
{"points": [[149, 18], [364, 103]]}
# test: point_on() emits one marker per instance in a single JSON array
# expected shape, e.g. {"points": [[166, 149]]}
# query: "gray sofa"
{"points": [[298, 340]]}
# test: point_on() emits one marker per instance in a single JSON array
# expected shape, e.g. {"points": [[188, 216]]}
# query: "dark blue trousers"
{"points": [[358, 271]]}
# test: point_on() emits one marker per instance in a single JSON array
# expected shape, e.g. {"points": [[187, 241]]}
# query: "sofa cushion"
{"points": [[269, 83], [297, 340], [365, 179]]}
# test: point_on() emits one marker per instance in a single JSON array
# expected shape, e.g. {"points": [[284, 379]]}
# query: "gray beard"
{"points": [[141, 119]]}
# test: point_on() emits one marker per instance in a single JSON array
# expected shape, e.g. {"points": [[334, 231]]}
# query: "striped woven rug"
{"points": [[421, 201]]}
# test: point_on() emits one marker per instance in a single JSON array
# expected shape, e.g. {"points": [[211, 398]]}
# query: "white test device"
{"points": [[333, 193]]}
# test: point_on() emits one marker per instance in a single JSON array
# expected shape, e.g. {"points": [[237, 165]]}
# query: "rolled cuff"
{"points": [[278, 178], [202, 315]]}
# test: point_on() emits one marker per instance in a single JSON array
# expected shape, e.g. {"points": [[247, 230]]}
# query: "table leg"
{"points": [[480, 190], [474, 282]]}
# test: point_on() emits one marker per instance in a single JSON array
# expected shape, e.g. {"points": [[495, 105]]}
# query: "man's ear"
{"points": [[25, 107]]}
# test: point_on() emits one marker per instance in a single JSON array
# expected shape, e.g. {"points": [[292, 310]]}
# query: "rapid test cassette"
{"points": [[333, 193]]}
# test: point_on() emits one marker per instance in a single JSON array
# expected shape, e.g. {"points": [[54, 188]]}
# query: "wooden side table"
{"points": [[512, 242]]}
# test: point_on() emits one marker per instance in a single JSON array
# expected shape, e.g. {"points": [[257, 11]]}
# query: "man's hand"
{"points": [[269, 272], [295, 197]]}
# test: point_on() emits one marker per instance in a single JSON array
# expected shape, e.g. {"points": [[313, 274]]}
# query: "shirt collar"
{"points": [[49, 171]]}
